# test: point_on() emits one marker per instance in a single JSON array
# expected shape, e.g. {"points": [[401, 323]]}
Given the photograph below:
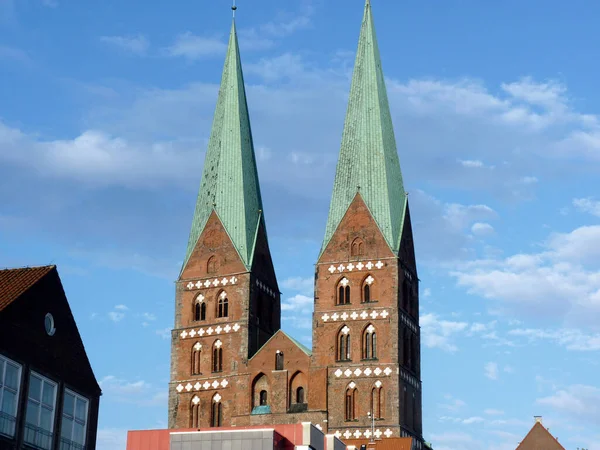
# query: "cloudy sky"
{"points": [[105, 112]]}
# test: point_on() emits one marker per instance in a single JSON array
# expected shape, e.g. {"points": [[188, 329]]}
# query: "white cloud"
{"points": [[137, 392], [111, 439], [122, 307], [195, 47], [437, 333], [461, 216], [564, 278], [482, 229], [298, 304], [164, 333], [571, 339], [579, 401], [588, 205], [14, 54], [137, 44], [454, 404], [302, 285], [116, 316], [491, 370]]}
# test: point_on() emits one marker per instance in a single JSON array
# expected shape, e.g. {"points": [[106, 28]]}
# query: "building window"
{"points": [[263, 398], [357, 247], [194, 412], [377, 401], [216, 414], [300, 395], [369, 343], [343, 344], [343, 292], [212, 265], [39, 417], [196, 354], [350, 402], [223, 305], [367, 289], [74, 421], [10, 382], [199, 308], [217, 356], [279, 360]]}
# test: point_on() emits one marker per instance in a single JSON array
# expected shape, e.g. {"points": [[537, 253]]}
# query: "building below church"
{"points": [[231, 365]]}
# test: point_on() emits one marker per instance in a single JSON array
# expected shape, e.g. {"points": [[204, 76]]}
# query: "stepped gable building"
{"points": [[231, 364]]}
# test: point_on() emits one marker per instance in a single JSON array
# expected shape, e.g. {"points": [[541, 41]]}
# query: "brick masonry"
{"points": [[249, 352]]}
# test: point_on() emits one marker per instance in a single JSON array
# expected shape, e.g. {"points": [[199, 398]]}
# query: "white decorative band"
{"points": [[215, 282], [360, 266], [355, 315], [210, 331], [205, 386], [367, 372], [367, 433], [265, 288]]}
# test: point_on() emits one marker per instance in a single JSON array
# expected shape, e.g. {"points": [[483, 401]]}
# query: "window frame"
{"points": [[74, 418], [3, 387], [44, 380]]}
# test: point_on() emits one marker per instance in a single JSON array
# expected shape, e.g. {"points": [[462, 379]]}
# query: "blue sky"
{"points": [[105, 113]]}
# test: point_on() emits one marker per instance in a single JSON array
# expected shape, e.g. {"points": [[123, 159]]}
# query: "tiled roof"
{"points": [[368, 161], [383, 444], [14, 282], [229, 183], [539, 438]]}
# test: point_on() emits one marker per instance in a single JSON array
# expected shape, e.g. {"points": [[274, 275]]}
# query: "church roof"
{"points": [[368, 161], [15, 282], [539, 437], [230, 179], [302, 347]]}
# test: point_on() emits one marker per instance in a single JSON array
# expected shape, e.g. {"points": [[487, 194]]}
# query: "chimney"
{"points": [[538, 419]]}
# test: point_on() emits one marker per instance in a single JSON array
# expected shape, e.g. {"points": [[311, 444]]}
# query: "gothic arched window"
{"points": [[212, 265], [369, 343], [300, 395], [367, 289], [194, 412], [223, 305], [350, 402], [377, 401], [278, 360], [199, 308], [343, 292], [216, 413], [217, 356], [343, 344], [357, 248], [196, 354]]}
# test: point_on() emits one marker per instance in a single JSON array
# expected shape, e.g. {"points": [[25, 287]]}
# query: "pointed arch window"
{"points": [[199, 308], [343, 344], [217, 356], [223, 305], [196, 354], [377, 401], [343, 292], [357, 247], [367, 289], [263, 398], [300, 395], [279, 360], [216, 413], [351, 402], [369, 343], [212, 265], [194, 412]]}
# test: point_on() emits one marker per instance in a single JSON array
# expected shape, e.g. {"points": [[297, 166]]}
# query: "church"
{"points": [[231, 364]]}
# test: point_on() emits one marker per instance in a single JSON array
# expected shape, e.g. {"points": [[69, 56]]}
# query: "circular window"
{"points": [[49, 323]]}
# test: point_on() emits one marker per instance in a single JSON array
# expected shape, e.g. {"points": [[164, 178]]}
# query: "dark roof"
{"points": [[394, 443], [539, 437], [15, 282]]}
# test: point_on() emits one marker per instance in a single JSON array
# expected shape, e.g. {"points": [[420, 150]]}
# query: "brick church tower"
{"points": [[366, 335], [227, 297]]}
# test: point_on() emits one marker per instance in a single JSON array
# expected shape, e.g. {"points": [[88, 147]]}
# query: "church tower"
{"points": [[366, 335], [227, 297]]}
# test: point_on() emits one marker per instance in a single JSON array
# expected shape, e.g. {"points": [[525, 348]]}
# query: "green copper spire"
{"points": [[368, 161], [230, 180]]}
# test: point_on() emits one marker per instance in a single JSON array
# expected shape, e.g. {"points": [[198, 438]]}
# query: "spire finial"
{"points": [[233, 8]]}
